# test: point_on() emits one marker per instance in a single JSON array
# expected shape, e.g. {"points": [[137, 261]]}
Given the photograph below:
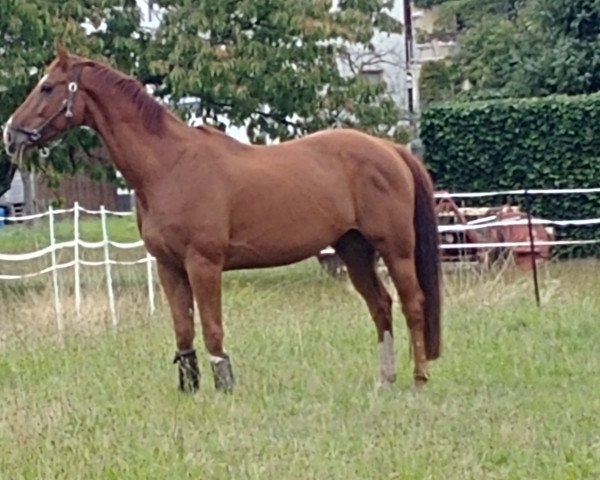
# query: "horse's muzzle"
{"points": [[17, 139]]}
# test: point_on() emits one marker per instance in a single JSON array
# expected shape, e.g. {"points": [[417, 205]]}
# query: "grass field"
{"points": [[514, 396]]}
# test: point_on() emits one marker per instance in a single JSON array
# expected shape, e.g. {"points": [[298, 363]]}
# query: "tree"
{"points": [[428, 3], [491, 55], [271, 65], [469, 12], [436, 82], [521, 48], [566, 34]]}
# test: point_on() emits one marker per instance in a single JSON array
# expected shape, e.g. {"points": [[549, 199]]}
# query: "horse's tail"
{"points": [[427, 253]]}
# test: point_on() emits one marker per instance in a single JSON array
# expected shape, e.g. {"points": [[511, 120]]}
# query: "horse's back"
{"points": [[334, 167], [372, 165]]}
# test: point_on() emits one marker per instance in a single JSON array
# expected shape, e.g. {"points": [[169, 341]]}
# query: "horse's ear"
{"points": [[62, 54]]}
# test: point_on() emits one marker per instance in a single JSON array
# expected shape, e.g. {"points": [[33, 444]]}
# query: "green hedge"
{"points": [[550, 142]]}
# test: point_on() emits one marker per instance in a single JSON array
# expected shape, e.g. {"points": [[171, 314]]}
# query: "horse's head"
{"points": [[51, 108]]}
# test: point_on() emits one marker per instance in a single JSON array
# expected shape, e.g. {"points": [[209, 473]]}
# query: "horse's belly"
{"points": [[274, 252], [243, 259], [285, 222], [280, 246]]}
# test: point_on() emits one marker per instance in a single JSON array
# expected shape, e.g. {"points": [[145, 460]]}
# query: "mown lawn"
{"points": [[515, 395]]}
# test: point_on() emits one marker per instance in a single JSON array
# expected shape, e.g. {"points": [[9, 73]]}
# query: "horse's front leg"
{"points": [[179, 295], [205, 278]]}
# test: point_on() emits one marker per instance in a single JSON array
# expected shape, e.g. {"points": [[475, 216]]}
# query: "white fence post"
{"points": [[109, 285], [150, 283], [77, 277], [57, 308]]}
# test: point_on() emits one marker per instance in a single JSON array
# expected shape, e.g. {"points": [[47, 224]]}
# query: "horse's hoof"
{"points": [[421, 381], [189, 373], [223, 373], [189, 382]]}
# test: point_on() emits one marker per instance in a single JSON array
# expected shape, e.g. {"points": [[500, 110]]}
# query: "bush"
{"points": [[550, 142], [435, 82]]}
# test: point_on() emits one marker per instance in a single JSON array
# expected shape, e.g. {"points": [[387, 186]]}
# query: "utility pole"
{"points": [[409, 54]]}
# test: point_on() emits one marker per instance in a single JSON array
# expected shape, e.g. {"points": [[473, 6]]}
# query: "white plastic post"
{"points": [[109, 285], [57, 306], [76, 278], [150, 282]]}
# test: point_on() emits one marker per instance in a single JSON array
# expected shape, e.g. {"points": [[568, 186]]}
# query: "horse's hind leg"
{"points": [[401, 267], [359, 256], [179, 295]]}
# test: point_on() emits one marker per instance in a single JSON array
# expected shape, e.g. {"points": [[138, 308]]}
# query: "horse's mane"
{"points": [[152, 113]]}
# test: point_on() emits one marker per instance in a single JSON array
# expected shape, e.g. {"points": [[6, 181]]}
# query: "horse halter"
{"points": [[35, 134]]}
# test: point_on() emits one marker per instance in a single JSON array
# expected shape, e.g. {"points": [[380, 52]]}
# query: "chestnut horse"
{"points": [[207, 203]]}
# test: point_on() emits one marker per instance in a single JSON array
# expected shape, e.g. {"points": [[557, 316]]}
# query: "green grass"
{"points": [[515, 395], [27, 237]]}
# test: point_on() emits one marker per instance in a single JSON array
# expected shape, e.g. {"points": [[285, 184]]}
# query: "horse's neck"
{"points": [[142, 157]]}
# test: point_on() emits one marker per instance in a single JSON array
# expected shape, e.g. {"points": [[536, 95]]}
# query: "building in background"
{"points": [[397, 58], [426, 46]]}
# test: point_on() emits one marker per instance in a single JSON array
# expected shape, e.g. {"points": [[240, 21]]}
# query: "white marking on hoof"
{"points": [[387, 359], [214, 359]]}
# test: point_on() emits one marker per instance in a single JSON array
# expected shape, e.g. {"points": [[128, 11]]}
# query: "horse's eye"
{"points": [[46, 88]]}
